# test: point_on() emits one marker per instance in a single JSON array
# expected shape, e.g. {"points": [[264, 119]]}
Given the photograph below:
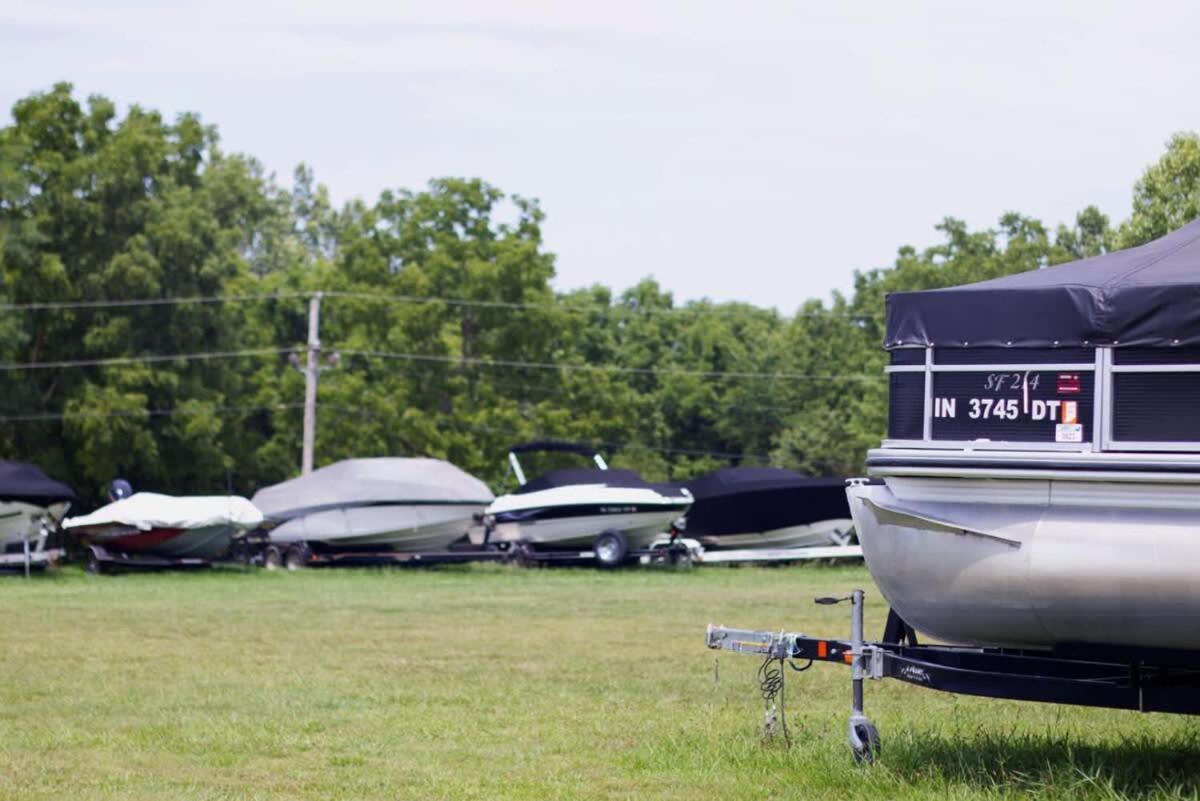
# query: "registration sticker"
{"points": [[1068, 432]]}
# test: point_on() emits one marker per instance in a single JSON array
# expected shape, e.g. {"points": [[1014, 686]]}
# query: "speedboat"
{"points": [[609, 510], [767, 507], [149, 528], [31, 507], [384, 504], [1041, 472]]}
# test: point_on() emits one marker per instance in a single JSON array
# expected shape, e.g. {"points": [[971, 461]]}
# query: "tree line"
{"points": [[452, 340]]}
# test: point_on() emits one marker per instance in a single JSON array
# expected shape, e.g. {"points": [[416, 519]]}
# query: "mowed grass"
{"points": [[493, 682]]}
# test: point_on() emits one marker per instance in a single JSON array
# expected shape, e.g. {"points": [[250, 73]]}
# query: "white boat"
{"points": [[582, 508], [372, 505], [767, 507], [1040, 484], [31, 507], [166, 527]]}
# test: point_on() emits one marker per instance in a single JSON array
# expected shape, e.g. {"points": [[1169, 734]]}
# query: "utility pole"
{"points": [[312, 369]]}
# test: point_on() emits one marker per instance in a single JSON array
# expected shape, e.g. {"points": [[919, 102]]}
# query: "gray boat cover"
{"points": [[1148, 296], [363, 482]]}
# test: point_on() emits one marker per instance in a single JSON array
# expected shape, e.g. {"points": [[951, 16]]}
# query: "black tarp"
{"points": [[615, 477], [20, 481], [1148, 296], [738, 500]]}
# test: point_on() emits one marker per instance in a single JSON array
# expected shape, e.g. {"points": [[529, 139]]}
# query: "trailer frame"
{"points": [[1084, 674]]}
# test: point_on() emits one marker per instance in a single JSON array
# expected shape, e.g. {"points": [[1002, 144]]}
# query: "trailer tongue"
{"points": [[1141, 679]]}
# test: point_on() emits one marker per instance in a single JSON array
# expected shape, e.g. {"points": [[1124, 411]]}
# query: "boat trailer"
{"points": [[35, 554], [1114, 677]]}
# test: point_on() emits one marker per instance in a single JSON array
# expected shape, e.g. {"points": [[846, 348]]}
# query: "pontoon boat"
{"points": [[1041, 475]]}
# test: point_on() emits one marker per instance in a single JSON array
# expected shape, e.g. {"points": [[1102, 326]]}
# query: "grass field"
{"points": [[494, 682]]}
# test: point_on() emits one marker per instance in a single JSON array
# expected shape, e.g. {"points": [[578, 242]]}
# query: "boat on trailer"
{"points": [[371, 506], [1041, 474], [766, 508], [31, 507], [1036, 503], [148, 529], [609, 514]]}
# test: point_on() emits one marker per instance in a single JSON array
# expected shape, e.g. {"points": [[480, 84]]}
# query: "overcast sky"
{"points": [[749, 151]]}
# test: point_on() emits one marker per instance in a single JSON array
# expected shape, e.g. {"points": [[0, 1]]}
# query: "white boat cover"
{"points": [[361, 482], [147, 510]]}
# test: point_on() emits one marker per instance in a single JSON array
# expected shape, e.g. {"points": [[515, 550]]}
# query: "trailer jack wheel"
{"points": [[864, 740], [95, 565]]}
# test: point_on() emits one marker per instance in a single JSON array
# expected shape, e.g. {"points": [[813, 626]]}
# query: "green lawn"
{"points": [[495, 682]]}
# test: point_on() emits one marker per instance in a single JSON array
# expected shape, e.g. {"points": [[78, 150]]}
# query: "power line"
{"points": [[176, 410], [64, 305], [67, 305], [145, 359], [542, 435], [603, 368], [43, 416]]}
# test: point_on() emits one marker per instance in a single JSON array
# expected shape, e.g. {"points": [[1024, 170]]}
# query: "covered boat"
{"points": [[767, 507], [147, 524], [383, 504], [1041, 475], [609, 510], [31, 506]]}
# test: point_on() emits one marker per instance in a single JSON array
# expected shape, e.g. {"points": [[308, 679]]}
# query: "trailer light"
{"points": [[822, 649], [848, 657]]}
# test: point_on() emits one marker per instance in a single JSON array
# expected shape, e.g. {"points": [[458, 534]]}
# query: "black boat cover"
{"points": [[614, 477], [742, 500], [1148, 296], [20, 481]]}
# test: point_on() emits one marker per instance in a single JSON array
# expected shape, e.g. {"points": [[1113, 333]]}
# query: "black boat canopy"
{"points": [[1148, 296], [568, 476], [553, 446], [20, 481]]}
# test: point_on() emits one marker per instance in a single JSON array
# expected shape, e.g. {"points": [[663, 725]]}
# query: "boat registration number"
{"points": [[1027, 406]]}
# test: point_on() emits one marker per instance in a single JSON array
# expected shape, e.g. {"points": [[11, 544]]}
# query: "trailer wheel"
{"points": [[611, 548], [297, 557], [272, 558], [94, 566], [866, 749]]}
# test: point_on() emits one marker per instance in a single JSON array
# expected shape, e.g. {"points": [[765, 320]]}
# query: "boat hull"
{"points": [[381, 527], [821, 532], [1006, 559], [204, 542], [579, 528], [21, 521]]}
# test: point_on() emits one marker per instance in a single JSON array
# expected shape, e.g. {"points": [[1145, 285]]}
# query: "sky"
{"points": [[757, 151]]}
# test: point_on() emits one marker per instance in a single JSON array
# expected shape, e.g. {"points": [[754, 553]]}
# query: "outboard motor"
{"points": [[119, 488]]}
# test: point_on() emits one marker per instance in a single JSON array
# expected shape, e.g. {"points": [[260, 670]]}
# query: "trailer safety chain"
{"points": [[770, 685]]}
